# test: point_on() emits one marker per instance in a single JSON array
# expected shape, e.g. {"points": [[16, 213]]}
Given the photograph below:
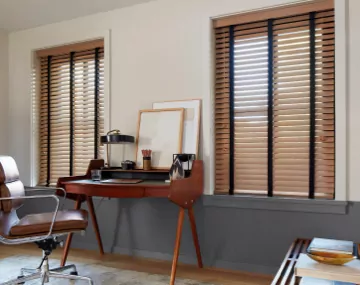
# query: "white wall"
{"points": [[3, 91], [160, 50], [353, 127]]}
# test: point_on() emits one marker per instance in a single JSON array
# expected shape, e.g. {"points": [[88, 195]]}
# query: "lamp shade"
{"points": [[115, 137]]}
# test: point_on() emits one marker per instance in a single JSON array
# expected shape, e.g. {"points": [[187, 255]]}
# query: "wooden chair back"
{"points": [[94, 164], [184, 192]]}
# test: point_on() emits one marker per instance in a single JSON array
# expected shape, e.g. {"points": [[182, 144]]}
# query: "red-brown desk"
{"points": [[82, 190]]}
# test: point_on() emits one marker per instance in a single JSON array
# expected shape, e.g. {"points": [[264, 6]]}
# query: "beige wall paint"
{"points": [[3, 92], [159, 51], [353, 113]]}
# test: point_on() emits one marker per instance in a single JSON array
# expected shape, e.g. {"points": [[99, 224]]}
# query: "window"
{"points": [[274, 102], [71, 110]]}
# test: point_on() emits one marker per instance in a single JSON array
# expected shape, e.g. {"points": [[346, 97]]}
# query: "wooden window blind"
{"points": [[274, 105], [71, 112]]}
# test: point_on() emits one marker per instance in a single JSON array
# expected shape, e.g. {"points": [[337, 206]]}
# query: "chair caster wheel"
{"points": [[19, 277], [74, 273]]}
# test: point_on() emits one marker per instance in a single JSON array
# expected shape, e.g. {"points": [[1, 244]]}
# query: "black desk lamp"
{"points": [[114, 137]]}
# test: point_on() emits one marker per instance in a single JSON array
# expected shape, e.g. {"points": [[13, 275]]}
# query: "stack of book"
{"points": [[314, 270], [314, 281], [331, 248]]}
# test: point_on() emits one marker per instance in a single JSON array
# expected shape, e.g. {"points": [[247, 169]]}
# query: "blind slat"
{"points": [[82, 109], [291, 76]]}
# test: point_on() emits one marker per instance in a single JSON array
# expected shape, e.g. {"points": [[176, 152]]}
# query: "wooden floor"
{"points": [[210, 275]]}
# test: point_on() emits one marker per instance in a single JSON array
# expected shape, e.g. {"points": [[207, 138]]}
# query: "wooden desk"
{"points": [[182, 192], [86, 189], [110, 190]]}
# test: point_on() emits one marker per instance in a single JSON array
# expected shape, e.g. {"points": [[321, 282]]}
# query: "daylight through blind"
{"points": [[274, 106], [71, 112]]}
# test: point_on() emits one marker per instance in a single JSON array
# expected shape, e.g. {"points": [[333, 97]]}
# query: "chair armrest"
{"points": [[43, 188], [26, 240]]}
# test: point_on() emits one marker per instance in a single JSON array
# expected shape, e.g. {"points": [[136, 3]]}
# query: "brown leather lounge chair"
{"points": [[42, 229]]}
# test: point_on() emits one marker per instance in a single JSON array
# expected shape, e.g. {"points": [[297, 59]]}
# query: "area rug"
{"points": [[10, 268]]}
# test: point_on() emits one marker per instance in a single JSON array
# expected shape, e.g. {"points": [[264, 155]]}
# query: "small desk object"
{"points": [[183, 192]]}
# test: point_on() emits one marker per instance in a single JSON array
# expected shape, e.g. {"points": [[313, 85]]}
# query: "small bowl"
{"points": [[127, 165], [184, 157], [331, 260]]}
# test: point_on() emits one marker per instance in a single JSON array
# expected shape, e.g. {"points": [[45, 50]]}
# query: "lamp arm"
{"points": [[115, 131]]}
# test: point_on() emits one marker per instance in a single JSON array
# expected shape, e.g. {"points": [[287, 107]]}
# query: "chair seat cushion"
{"points": [[35, 224]]}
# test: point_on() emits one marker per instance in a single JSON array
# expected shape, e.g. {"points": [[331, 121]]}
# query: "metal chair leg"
{"points": [[23, 279], [45, 276], [70, 277], [44, 273], [61, 269], [45, 279], [29, 271]]}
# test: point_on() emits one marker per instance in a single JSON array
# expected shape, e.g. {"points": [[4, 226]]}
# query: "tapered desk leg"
{"points": [[70, 235], [195, 236], [90, 204], [177, 245]]}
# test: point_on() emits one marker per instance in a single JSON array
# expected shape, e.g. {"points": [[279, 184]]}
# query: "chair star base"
{"points": [[43, 272], [46, 276]]}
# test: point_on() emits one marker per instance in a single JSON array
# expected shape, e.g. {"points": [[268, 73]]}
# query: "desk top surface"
{"points": [[145, 183]]}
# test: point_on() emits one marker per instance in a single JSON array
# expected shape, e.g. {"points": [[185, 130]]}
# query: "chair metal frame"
{"points": [[43, 272]]}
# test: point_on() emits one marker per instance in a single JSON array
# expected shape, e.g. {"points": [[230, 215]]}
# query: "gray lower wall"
{"points": [[253, 240]]}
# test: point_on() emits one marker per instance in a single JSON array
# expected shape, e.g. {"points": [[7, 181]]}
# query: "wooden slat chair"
{"points": [[184, 193], [286, 275], [94, 164]]}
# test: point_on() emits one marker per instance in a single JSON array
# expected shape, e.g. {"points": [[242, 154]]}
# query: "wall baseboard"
{"points": [[237, 266], [245, 267], [134, 252], [89, 246], [154, 255]]}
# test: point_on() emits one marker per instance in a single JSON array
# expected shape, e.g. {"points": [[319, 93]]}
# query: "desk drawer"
{"points": [[105, 191], [157, 192]]}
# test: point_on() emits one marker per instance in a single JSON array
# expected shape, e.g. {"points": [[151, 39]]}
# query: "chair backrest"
{"points": [[10, 185], [184, 192], [94, 164]]}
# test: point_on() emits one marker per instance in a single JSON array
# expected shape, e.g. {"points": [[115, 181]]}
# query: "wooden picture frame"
{"points": [[160, 130], [192, 121]]}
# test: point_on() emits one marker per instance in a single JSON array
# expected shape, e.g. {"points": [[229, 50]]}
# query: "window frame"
{"points": [[75, 61], [341, 88], [34, 87]]}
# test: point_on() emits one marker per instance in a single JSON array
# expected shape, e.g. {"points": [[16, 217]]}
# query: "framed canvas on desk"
{"points": [[160, 131], [192, 119]]}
